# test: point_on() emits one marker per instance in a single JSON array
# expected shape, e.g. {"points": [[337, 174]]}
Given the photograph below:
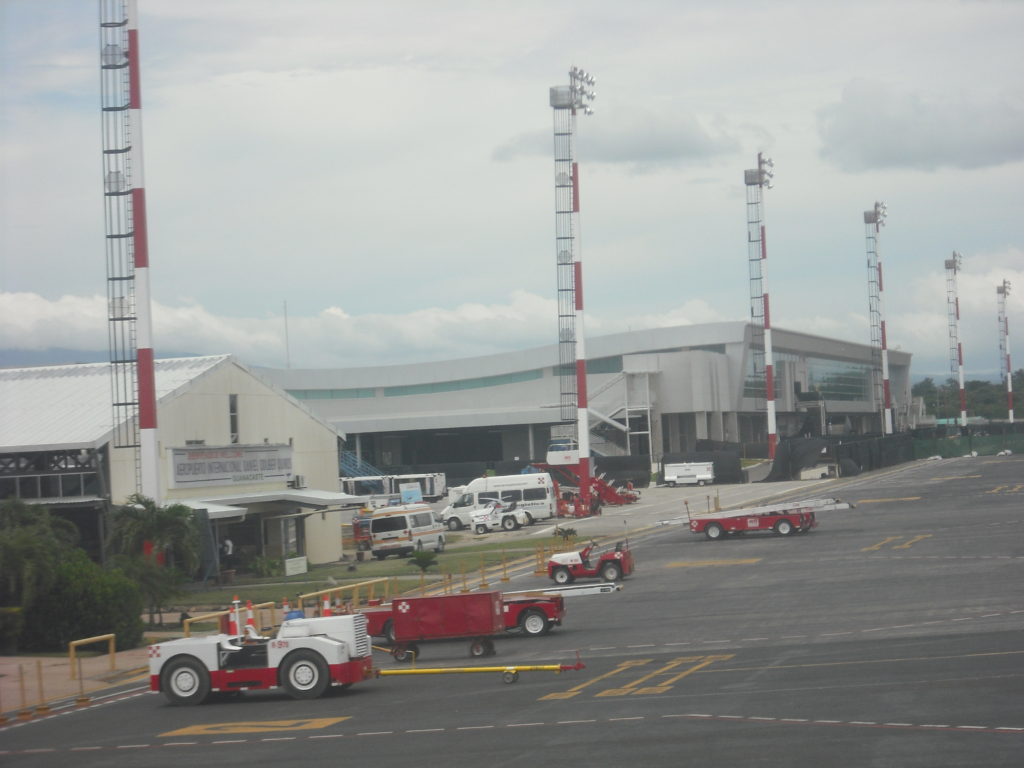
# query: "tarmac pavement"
{"points": [[33, 686]]}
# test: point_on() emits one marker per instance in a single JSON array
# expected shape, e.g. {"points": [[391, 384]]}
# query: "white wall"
{"points": [[265, 415]]}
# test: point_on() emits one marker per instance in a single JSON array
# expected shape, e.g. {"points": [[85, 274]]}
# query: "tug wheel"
{"points": [[304, 674], [185, 682]]}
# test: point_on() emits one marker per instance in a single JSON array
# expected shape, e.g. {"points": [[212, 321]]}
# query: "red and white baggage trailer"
{"points": [[783, 518], [305, 658], [478, 616]]}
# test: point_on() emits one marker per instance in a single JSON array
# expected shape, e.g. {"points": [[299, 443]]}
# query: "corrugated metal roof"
{"points": [[69, 406]]}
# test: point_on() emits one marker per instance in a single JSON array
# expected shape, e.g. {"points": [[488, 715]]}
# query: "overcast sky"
{"points": [[385, 170]]}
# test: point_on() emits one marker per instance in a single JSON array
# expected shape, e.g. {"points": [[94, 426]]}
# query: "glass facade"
{"points": [[331, 394], [601, 365], [418, 389], [834, 379], [839, 380], [753, 383]]}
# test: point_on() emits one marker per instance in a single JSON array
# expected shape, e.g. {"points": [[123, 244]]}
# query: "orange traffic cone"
{"points": [[233, 617], [327, 606], [250, 620]]}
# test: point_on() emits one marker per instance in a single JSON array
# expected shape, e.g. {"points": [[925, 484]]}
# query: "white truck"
{"points": [[306, 657], [689, 473], [497, 516], [534, 494]]}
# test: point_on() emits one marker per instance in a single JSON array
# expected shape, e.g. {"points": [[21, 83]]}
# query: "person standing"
{"points": [[227, 554]]}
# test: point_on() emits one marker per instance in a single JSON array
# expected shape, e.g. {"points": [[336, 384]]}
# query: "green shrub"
{"points": [[84, 601], [264, 566]]}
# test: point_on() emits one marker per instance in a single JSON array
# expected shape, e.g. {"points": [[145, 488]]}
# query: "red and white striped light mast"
{"points": [[565, 101], [1002, 291], [956, 348], [757, 180], [133, 380], [874, 220]]}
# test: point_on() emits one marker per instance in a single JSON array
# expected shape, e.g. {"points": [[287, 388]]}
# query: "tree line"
{"points": [[986, 399]]}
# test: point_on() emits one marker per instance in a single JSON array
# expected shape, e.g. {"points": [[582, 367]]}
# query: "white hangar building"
{"points": [[255, 462], [651, 392]]}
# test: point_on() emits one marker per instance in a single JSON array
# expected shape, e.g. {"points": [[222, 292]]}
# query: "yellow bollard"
{"points": [[465, 586], [504, 567], [483, 575], [24, 713], [41, 708], [82, 700]]}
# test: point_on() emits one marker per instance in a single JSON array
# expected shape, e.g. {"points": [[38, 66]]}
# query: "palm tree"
{"points": [[423, 559], [172, 532]]}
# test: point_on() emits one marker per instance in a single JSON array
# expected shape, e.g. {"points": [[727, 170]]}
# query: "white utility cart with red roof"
{"points": [[784, 518]]}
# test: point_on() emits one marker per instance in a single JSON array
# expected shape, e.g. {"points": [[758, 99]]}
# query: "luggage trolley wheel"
{"points": [[405, 652], [481, 646]]}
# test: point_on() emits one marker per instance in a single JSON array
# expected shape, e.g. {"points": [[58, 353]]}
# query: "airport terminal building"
{"points": [[257, 466], [651, 393]]}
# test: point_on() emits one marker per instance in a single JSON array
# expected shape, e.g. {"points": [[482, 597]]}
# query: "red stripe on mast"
{"points": [[147, 389], [134, 86], [141, 240]]}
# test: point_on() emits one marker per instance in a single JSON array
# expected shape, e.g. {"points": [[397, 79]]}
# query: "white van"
{"points": [[533, 493], [691, 473], [403, 529]]}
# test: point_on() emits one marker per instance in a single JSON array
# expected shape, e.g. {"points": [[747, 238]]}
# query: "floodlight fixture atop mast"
{"points": [[580, 86], [876, 215]]}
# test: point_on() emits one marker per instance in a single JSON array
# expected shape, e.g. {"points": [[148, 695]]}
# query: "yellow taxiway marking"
{"points": [[880, 544], [256, 726], [702, 563], [882, 501], [911, 542], [1006, 489], [905, 545], [637, 687], [575, 690]]}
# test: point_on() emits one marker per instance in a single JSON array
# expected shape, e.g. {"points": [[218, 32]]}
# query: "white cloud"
{"points": [[395, 187], [877, 126]]}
